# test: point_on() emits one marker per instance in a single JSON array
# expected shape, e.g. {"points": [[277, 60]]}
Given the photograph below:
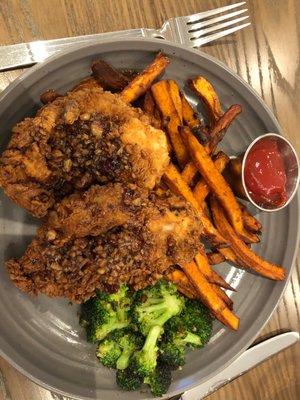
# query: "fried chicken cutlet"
{"points": [[87, 136], [106, 236]]}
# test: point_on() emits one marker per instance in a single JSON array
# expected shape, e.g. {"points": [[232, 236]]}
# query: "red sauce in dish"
{"points": [[264, 175]]}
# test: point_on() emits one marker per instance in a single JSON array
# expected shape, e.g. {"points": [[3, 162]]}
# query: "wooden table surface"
{"points": [[267, 55]]}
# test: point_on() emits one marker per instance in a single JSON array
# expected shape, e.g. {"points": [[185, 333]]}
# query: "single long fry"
{"points": [[250, 222], [233, 175], [142, 82], [215, 180], [183, 283], [220, 292], [175, 95], [189, 172], [230, 255], [209, 297], [215, 258], [150, 109], [191, 119], [163, 99], [206, 269], [221, 126], [205, 90], [148, 103], [247, 257], [176, 184], [202, 189], [108, 77]]}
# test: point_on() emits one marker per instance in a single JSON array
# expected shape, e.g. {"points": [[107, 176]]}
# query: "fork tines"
{"points": [[206, 26]]}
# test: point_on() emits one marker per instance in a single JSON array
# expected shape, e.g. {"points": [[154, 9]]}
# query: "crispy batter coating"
{"points": [[92, 241], [85, 137]]}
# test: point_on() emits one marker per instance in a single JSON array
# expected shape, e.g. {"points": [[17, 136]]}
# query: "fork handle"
{"points": [[25, 54]]}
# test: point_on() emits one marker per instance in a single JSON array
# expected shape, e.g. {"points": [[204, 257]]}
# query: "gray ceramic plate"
{"points": [[41, 337]]}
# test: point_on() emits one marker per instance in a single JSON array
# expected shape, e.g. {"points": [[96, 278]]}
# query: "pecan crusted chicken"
{"points": [[106, 236], [87, 136]]}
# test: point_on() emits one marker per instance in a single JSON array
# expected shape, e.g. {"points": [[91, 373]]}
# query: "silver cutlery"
{"points": [[192, 31], [249, 359]]}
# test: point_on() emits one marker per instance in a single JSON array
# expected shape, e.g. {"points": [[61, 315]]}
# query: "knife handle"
{"points": [[249, 359]]}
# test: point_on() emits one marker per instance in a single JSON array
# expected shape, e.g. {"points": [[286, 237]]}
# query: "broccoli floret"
{"points": [[192, 327], [172, 354], [195, 319], [145, 360], [159, 380], [129, 379], [106, 313], [128, 343], [117, 348], [154, 305], [108, 352]]}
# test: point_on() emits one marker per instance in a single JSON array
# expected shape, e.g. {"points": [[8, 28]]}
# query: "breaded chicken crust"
{"points": [[87, 136], [104, 237]]}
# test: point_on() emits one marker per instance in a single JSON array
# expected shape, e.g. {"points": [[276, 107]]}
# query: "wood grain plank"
{"points": [[267, 55]]}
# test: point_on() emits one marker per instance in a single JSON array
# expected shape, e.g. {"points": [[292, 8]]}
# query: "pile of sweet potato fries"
{"points": [[196, 173]]}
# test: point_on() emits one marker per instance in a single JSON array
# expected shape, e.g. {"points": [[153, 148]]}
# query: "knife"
{"points": [[249, 359]]}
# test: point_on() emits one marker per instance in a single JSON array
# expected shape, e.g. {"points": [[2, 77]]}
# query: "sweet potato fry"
{"points": [[191, 119], [108, 77], [164, 102], [183, 283], [230, 255], [142, 82], [202, 189], [176, 184], [221, 126], [233, 175], [215, 258], [148, 103], [189, 172], [235, 184], [206, 269], [250, 222], [150, 109], [220, 292], [205, 90], [186, 291], [215, 180], [209, 297], [245, 256], [175, 95]]}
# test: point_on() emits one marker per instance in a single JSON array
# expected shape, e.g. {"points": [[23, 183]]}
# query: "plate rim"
{"points": [[281, 289]]}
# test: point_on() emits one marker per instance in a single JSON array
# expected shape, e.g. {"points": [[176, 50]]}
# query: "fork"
{"points": [[198, 29], [192, 30]]}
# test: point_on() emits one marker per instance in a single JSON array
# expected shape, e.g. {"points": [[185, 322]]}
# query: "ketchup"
{"points": [[265, 176]]}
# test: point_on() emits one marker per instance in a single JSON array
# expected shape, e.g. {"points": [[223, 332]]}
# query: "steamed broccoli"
{"points": [[108, 352], [129, 343], [105, 313], [159, 380], [145, 360], [154, 305], [144, 335], [192, 327], [129, 378]]}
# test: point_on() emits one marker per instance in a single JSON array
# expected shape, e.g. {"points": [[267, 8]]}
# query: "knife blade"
{"points": [[249, 359]]}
